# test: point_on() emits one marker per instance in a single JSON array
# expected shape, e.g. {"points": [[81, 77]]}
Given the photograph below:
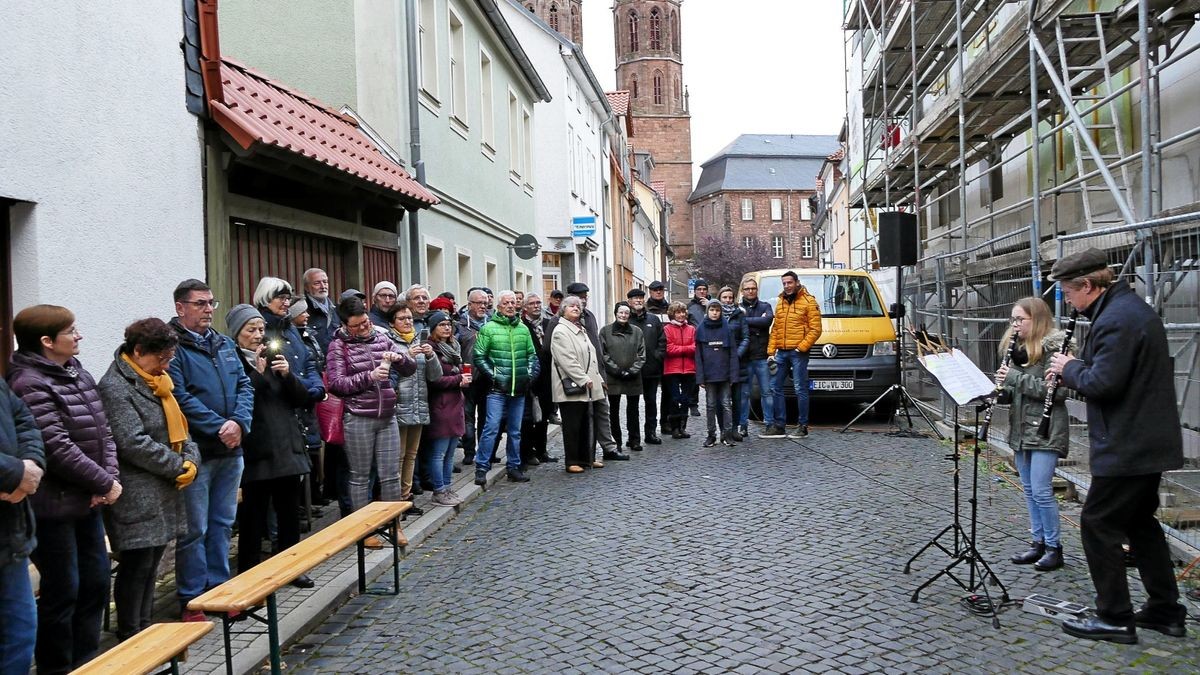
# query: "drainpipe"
{"points": [[414, 137]]}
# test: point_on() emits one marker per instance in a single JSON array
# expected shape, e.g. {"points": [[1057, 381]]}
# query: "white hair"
{"points": [[270, 288], [482, 294], [416, 287], [502, 294]]}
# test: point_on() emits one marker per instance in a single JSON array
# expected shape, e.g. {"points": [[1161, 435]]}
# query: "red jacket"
{"points": [[681, 349]]}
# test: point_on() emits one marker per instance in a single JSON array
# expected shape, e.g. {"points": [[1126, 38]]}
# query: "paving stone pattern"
{"points": [[774, 556]]}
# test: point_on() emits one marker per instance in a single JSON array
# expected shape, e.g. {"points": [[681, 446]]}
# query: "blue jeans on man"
{"points": [[202, 555], [18, 621], [510, 410], [756, 370], [797, 362]]}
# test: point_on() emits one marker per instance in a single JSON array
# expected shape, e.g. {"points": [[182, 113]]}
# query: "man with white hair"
{"points": [[505, 354], [322, 310], [417, 297]]}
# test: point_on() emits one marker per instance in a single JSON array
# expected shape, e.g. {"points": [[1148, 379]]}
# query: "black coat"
{"points": [[275, 446], [656, 342], [321, 323], [759, 316], [1125, 371], [540, 387], [20, 439]]}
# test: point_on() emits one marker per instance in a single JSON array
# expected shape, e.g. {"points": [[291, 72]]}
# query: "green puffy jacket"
{"points": [[504, 353]]}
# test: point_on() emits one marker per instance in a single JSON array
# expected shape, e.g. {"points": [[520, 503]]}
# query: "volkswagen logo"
{"points": [[829, 351]]}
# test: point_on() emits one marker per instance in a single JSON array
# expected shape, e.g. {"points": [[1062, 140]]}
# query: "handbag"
{"points": [[329, 415]]}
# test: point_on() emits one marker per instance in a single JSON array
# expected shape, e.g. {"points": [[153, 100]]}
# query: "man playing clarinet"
{"points": [[1124, 369]]}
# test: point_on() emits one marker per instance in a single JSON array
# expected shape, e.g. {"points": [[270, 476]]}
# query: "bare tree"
{"points": [[721, 261]]}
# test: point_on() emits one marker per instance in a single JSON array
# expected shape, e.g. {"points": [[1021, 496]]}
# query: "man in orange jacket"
{"points": [[795, 330]]}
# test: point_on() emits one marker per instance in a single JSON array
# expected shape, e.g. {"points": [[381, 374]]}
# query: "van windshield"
{"points": [[840, 295]]}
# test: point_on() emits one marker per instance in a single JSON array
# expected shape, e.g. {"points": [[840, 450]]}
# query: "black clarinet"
{"points": [[1052, 386], [991, 402]]}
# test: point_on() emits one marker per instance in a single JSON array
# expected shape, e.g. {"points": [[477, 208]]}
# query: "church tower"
{"points": [[564, 16], [650, 67]]}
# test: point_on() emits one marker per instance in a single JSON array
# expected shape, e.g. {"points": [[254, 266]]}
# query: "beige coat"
{"points": [[573, 356]]}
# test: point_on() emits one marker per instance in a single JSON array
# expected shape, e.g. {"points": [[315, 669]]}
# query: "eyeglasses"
{"points": [[386, 296], [478, 302], [407, 319], [201, 304], [72, 331], [1021, 319]]}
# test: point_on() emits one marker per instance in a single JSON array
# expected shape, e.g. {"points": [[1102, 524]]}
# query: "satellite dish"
{"points": [[526, 246]]}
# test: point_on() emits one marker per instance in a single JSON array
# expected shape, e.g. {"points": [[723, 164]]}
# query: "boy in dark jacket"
{"points": [[716, 371]]}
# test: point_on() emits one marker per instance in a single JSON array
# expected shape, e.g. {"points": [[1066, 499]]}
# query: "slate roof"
{"points": [[263, 115], [766, 162]]}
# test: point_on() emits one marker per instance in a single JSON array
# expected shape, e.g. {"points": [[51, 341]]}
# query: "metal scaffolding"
{"points": [[1019, 132]]}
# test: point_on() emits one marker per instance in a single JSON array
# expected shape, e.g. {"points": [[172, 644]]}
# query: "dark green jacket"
{"points": [[504, 352], [1027, 384]]}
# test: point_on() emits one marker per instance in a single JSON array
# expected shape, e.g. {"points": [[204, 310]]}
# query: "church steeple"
{"points": [[564, 16]]}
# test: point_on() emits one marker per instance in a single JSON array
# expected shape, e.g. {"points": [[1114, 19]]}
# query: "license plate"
{"points": [[831, 385]]}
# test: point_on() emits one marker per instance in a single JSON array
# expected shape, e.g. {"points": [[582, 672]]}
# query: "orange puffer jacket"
{"points": [[797, 323]]}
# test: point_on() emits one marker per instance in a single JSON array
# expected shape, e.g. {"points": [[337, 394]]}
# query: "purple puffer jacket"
{"points": [[348, 373], [446, 402], [81, 457]]}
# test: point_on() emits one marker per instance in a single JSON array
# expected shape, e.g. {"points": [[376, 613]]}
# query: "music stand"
{"points": [[964, 548]]}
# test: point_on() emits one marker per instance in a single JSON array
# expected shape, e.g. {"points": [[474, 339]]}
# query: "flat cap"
{"points": [[635, 293], [577, 288], [657, 285], [556, 293], [1078, 264]]}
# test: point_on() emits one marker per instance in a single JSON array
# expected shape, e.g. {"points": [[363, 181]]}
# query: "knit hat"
{"points": [[384, 285], [238, 316], [441, 304], [712, 303], [435, 318], [297, 308], [699, 283]]}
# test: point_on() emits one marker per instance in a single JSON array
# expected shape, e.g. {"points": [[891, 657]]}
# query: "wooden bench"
{"points": [[258, 585], [148, 650]]}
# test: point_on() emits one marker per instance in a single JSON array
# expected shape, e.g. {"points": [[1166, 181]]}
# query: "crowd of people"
{"points": [[351, 397]]}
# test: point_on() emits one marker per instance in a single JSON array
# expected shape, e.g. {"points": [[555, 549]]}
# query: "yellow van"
{"points": [[855, 359]]}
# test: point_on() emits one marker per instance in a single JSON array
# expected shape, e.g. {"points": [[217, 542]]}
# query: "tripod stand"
{"points": [[964, 550], [903, 399]]}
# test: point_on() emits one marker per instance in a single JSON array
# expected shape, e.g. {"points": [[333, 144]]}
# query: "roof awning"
{"points": [[263, 115]]}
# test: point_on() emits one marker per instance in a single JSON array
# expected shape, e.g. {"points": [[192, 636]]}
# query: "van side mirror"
{"points": [[896, 311]]}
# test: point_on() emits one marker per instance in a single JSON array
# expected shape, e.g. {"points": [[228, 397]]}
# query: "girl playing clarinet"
{"points": [[1023, 380]]}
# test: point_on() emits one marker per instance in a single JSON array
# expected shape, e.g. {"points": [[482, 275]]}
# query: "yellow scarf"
{"points": [[408, 337], [162, 386]]}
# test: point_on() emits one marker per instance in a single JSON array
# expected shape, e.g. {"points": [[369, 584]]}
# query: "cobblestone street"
{"points": [[774, 556]]}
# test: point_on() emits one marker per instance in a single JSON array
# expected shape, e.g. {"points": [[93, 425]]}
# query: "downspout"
{"points": [[414, 137]]}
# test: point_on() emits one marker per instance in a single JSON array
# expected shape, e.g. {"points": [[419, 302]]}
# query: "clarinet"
{"points": [[991, 402], [1052, 386]]}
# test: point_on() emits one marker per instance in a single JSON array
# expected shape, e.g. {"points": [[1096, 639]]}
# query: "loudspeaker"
{"points": [[897, 239]]}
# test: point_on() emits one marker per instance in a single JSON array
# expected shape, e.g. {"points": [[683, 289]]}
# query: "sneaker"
{"points": [[710, 441], [517, 476], [736, 436], [773, 431], [192, 616], [727, 441], [801, 432], [444, 498]]}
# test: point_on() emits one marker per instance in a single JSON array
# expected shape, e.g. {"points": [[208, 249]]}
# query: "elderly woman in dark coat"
{"points": [[276, 455], [624, 355], [157, 459]]}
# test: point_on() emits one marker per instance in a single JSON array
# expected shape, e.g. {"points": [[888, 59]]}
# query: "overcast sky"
{"points": [[752, 66]]}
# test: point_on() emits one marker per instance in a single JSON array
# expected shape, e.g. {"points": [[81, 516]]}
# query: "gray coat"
{"points": [[412, 392], [624, 350], [151, 511]]}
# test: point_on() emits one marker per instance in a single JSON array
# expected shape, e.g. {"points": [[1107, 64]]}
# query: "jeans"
{"points": [[1037, 470], [133, 589], [202, 555], [439, 461], [507, 409], [73, 562], [18, 621], [716, 403], [797, 362], [756, 370]]}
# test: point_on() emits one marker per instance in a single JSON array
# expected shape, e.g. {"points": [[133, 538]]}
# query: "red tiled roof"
{"points": [[837, 155], [618, 101], [660, 187], [259, 111]]}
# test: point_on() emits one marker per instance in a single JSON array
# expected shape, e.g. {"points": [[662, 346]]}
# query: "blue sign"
{"points": [[691, 288], [583, 226]]}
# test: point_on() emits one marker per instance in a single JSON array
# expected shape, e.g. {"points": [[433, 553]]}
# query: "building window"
{"points": [[514, 135], [633, 86], [805, 209], [428, 47], [571, 158], [806, 246], [458, 66], [553, 16], [633, 31], [658, 88], [748, 242], [777, 246], [747, 209], [487, 111], [776, 209], [712, 214], [655, 29], [527, 140]]}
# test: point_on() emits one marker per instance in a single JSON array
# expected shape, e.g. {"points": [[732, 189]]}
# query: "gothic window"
{"points": [[633, 31], [553, 16], [633, 86], [675, 32], [658, 87], [678, 94], [655, 29]]}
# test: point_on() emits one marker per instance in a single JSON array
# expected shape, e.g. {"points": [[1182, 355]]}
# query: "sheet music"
{"points": [[958, 376]]}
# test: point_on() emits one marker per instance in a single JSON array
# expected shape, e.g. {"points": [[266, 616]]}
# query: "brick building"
{"points": [[757, 190], [564, 16], [650, 68]]}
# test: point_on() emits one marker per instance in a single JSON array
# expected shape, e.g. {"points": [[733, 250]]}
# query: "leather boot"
{"points": [[1051, 561], [1035, 552], [676, 430], [683, 428]]}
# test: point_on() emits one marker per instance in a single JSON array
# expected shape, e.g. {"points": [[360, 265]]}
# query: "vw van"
{"points": [[855, 359]]}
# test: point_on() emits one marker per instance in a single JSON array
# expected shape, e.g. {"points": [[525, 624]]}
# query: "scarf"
{"points": [[536, 326], [679, 323], [161, 386], [449, 351], [408, 337], [728, 310]]}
